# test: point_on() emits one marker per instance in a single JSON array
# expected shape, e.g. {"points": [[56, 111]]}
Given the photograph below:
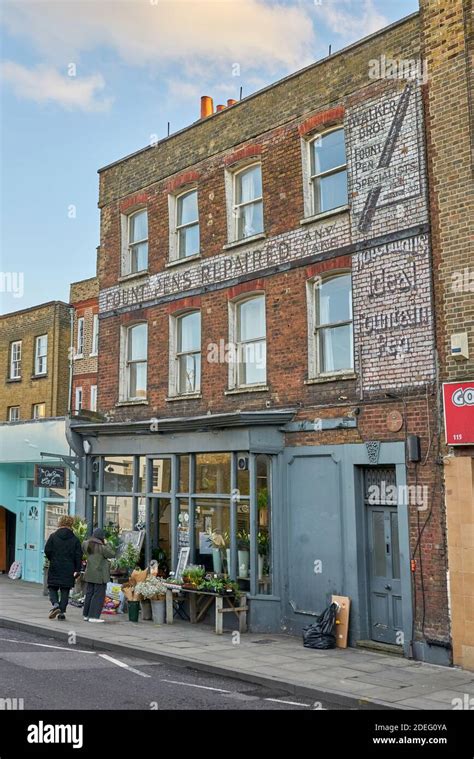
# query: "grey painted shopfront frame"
{"points": [[350, 460], [273, 612]]}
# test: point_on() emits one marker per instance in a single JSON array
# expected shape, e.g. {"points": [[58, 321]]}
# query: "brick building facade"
{"points": [[84, 299], [450, 140], [34, 361], [267, 364], [34, 400]]}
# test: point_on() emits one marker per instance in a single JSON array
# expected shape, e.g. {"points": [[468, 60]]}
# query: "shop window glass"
{"points": [[31, 490], [183, 474], [264, 569], [118, 474], [52, 513], [243, 478], [142, 487], [213, 473], [161, 475], [160, 530], [119, 511], [210, 515], [183, 523]]}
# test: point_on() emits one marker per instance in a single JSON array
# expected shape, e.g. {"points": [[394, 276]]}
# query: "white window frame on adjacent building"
{"points": [[41, 355], [128, 365], [14, 414], [79, 399], [234, 204], [240, 347], [95, 335], [15, 359], [37, 408], [175, 242], [80, 337], [93, 401], [317, 368], [128, 245], [311, 177], [180, 383]]}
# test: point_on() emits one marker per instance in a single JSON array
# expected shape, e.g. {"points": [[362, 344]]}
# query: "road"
{"points": [[48, 674]]}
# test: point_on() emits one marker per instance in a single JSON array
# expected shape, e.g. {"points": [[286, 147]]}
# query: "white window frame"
{"points": [[93, 401], [231, 175], [309, 177], [174, 371], [173, 200], [314, 367], [80, 337], [95, 335], [13, 408], [125, 364], [79, 400], [15, 362], [126, 267], [235, 343], [36, 406], [39, 357]]}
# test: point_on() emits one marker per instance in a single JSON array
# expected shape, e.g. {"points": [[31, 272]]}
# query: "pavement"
{"points": [[351, 678]]}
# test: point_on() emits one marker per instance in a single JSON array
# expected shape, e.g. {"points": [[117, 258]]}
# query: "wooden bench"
{"points": [[199, 603]]}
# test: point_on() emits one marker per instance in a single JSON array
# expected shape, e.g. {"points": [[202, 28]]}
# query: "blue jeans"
{"points": [[59, 597]]}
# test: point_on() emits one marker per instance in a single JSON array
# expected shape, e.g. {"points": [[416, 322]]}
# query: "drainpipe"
{"points": [[71, 360]]}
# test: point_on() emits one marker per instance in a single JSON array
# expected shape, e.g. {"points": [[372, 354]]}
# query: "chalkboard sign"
{"points": [[50, 476]]}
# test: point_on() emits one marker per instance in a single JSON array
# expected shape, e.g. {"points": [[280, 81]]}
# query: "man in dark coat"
{"points": [[64, 552]]}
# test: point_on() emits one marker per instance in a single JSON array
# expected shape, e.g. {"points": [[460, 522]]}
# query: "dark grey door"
{"points": [[385, 602]]}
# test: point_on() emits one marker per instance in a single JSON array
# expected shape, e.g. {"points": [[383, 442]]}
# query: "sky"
{"points": [[86, 82]]}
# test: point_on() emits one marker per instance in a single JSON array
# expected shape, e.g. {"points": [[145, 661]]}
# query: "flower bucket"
{"points": [[158, 611], [133, 611], [146, 610]]}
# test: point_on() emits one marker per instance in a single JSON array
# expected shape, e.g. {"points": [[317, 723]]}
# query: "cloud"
{"points": [[352, 19], [143, 32], [44, 84]]}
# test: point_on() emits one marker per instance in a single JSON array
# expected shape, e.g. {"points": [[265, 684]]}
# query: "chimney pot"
{"points": [[231, 102], [220, 108], [207, 106]]}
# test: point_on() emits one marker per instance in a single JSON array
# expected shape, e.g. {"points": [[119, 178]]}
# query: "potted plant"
{"points": [[218, 544], [243, 552], [127, 561], [193, 577], [263, 543], [152, 592]]}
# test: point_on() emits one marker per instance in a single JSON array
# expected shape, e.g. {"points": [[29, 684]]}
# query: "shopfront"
{"points": [[298, 523], [29, 512]]}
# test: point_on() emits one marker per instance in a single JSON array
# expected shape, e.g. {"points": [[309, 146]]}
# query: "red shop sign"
{"points": [[458, 399]]}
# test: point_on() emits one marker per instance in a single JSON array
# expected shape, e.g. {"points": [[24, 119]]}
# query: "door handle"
{"points": [[388, 587]]}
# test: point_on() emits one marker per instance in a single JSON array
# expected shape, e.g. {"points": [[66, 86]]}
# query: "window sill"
{"points": [[184, 397], [324, 215], [134, 275], [93, 355], [39, 376], [78, 355], [249, 389], [132, 403], [244, 241], [330, 378], [14, 379], [181, 261]]}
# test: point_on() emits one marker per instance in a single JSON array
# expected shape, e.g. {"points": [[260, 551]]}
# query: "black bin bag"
{"points": [[321, 634]]}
